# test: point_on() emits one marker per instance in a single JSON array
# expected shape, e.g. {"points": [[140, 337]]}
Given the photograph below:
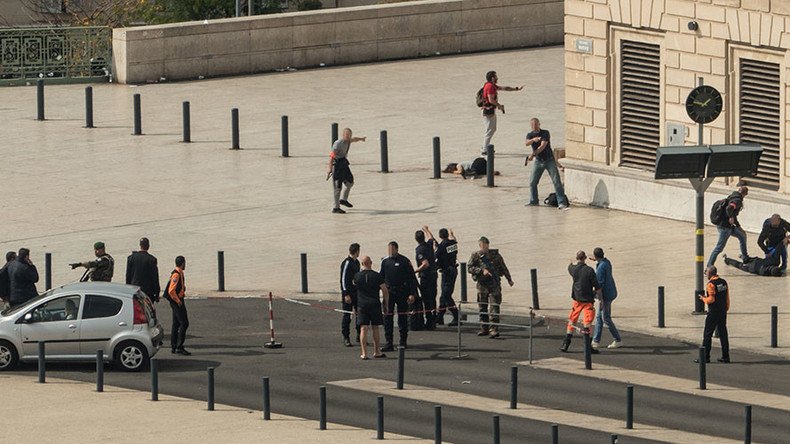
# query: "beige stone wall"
{"points": [[727, 29], [332, 37]]}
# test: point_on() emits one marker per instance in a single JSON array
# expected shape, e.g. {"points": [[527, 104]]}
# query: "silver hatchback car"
{"points": [[76, 320]]}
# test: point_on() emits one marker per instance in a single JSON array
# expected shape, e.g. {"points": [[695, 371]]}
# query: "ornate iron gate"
{"points": [[66, 54]]}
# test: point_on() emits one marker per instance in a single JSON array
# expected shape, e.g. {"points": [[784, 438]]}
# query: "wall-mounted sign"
{"points": [[584, 45]]}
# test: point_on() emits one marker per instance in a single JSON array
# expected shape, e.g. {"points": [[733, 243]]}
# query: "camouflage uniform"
{"points": [[101, 269], [489, 288]]}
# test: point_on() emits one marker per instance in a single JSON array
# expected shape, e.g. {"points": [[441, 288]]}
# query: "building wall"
{"points": [[332, 37]]}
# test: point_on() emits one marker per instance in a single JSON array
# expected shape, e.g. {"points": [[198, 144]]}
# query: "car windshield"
{"points": [[18, 308]]}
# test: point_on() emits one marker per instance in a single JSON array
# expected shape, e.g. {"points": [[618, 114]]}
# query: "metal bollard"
{"points": [[437, 158], [334, 133], [303, 264], [238, 8], [496, 428], [234, 129], [513, 387], [99, 371], [437, 420], [379, 417], [220, 271], [322, 408], [629, 409], [587, 351], [661, 307], [702, 382], [267, 407], [533, 273], [747, 426], [284, 135], [211, 389], [463, 288], [48, 270], [154, 380], [385, 163], [774, 326], [555, 434], [186, 123], [401, 358], [490, 166], [42, 363], [40, 99], [88, 107], [138, 119]]}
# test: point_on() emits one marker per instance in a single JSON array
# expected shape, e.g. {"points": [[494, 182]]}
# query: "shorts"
{"points": [[370, 315]]}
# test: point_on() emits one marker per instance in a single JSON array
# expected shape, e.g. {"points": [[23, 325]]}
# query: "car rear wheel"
{"points": [[131, 356], [9, 357]]}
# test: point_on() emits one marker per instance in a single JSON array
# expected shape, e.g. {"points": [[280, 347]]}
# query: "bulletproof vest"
{"points": [[720, 305]]}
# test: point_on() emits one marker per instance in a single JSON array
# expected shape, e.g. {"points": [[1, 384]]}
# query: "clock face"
{"points": [[704, 104]]}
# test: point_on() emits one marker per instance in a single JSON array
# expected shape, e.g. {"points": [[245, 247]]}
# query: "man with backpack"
{"points": [[724, 214], [488, 101]]}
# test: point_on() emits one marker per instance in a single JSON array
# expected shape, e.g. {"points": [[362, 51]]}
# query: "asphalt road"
{"points": [[228, 334]]}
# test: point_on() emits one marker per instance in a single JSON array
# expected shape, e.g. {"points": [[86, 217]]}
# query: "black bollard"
{"points": [[234, 129], [629, 409], [334, 133], [154, 380], [463, 288], [99, 371], [322, 408], [88, 107], [303, 263], [513, 387], [220, 271], [48, 270], [267, 407], [702, 382], [535, 300], [401, 358], [661, 307], [379, 417], [186, 123], [138, 119], [385, 163], [42, 363], [587, 351], [211, 389], [437, 420], [437, 158], [40, 99], [490, 166], [555, 434], [774, 326], [284, 135], [747, 426], [496, 428]]}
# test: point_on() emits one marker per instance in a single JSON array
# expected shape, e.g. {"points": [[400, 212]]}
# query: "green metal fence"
{"points": [[59, 54]]}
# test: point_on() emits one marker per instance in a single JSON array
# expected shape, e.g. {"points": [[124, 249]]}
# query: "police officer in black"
{"points": [[426, 270], [348, 291], [718, 299], [447, 263], [398, 274]]}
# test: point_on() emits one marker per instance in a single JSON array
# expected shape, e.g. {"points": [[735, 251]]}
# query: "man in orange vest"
{"points": [[175, 293]]}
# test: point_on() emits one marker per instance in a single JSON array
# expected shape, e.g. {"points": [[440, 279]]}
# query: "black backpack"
{"points": [[551, 200], [718, 211], [481, 101]]}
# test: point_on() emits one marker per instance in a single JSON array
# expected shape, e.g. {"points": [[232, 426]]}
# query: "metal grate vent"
{"points": [[760, 108], [640, 103]]}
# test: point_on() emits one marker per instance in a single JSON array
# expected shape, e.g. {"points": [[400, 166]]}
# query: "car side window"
{"points": [[101, 307], [60, 309]]}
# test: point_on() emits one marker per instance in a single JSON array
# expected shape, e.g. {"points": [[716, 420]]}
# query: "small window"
{"points": [[60, 309], [101, 307]]}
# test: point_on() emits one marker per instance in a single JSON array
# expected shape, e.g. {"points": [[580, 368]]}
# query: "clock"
{"points": [[704, 104]]}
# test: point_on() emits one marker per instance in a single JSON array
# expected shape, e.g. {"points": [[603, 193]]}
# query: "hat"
{"points": [[98, 245], [484, 240]]}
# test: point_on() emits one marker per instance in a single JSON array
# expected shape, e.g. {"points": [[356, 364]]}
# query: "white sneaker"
{"points": [[563, 207], [595, 344], [615, 344]]}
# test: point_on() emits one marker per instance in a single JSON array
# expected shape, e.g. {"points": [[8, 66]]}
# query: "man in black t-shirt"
{"points": [[369, 308], [447, 263], [542, 155]]}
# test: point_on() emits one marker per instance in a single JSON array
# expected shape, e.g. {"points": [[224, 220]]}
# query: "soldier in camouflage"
{"points": [[487, 268], [100, 269]]}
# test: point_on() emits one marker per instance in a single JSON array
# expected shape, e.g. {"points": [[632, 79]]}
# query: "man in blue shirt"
{"points": [[603, 271], [543, 160]]}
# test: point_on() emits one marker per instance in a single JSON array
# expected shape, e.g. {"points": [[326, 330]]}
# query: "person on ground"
{"points": [[487, 268], [142, 270], [426, 271], [340, 171], [470, 168], [398, 274], [774, 238], [717, 296], [729, 226], [99, 270], [584, 291], [767, 266], [542, 158], [22, 278], [447, 262], [491, 105], [603, 272], [348, 292], [175, 292], [369, 309], [5, 280]]}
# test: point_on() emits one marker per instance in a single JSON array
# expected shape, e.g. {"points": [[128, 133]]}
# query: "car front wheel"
{"points": [[131, 356], [9, 357]]}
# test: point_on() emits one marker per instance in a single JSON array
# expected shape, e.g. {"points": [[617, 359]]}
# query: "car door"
{"points": [[55, 322], [102, 319]]}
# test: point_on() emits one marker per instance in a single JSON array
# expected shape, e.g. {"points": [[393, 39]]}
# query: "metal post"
{"points": [[88, 107], [238, 8], [661, 307], [437, 158], [250, 7], [154, 380], [535, 299], [303, 262], [587, 351], [220, 271], [48, 270], [385, 163], [490, 166], [774, 326], [187, 125], [322, 408], [234, 129], [437, 420], [211, 389], [379, 417], [702, 359], [42, 363], [747, 426], [463, 289], [40, 99], [496, 428], [284, 135], [334, 132], [513, 387], [267, 407], [531, 327], [401, 358], [99, 371], [555, 434], [629, 410], [138, 119], [699, 307]]}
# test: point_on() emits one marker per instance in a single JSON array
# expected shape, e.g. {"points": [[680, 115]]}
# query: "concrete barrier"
{"points": [[263, 43]]}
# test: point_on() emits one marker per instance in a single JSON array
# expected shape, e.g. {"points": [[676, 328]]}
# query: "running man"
{"points": [[340, 171]]}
